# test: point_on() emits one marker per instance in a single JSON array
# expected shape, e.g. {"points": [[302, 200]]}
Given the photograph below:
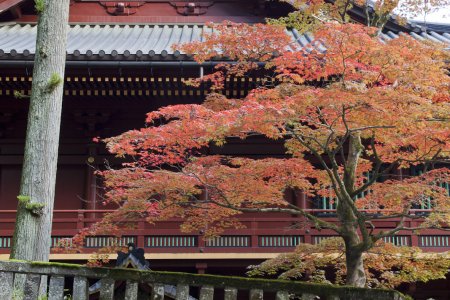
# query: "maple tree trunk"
{"points": [[32, 233], [353, 246], [356, 275], [355, 266]]}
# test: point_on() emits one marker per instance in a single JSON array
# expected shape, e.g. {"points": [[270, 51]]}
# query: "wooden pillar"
{"points": [[201, 267], [140, 243], [254, 237], [300, 199], [91, 182]]}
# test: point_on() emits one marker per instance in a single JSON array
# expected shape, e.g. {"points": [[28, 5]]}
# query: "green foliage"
{"points": [[39, 5], [54, 81], [298, 20]]}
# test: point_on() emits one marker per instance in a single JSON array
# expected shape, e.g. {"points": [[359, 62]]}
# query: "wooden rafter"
{"points": [[6, 5]]}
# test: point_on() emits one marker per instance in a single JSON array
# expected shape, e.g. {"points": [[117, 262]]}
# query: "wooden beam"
{"points": [[8, 4]]}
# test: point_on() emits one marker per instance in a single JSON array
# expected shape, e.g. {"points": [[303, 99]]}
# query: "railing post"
{"points": [[182, 292], [56, 289], [230, 293], [256, 294], [31, 290], [6, 285], [80, 220], [107, 289], [80, 288], [282, 295], [157, 292], [131, 292], [207, 293]]}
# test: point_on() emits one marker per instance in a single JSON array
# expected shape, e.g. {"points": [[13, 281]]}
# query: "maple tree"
{"points": [[362, 105]]}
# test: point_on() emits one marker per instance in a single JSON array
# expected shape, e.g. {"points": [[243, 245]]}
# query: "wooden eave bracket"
{"points": [[12, 5], [193, 8], [121, 8]]}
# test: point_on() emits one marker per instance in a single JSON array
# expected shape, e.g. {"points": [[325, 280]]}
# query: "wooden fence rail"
{"points": [[76, 279]]}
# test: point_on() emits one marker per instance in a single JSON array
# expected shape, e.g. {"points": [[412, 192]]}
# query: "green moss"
{"points": [[19, 95], [39, 5], [23, 198], [53, 83], [35, 208], [54, 264]]}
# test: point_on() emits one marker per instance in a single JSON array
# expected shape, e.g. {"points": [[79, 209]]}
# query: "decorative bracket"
{"points": [[121, 8], [194, 8], [91, 121]]}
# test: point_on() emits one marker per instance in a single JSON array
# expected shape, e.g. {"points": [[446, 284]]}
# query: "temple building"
{"points": [[121, 65]]}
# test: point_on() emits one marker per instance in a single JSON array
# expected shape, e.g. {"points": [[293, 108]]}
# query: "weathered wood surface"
{"points": [[31, 290], [131, 292], [158, 292], [256, 288], [80, 288], [207, 293], [182, 292], [56, 289], [107, 289], [6, 285], [282, 295], [230, 293], [256, 295]]}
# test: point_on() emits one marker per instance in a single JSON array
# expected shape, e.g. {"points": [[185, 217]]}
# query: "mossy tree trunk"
{"points": [[356, 241], [32, 233]]}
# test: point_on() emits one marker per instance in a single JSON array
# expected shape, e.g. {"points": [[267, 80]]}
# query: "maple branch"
{"points": [[399, 215], [402, 227], [371, 127], [316, 154], [426, 164], [294, 210], [376, 173]]}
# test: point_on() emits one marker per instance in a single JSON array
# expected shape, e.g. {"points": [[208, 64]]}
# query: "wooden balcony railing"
{"points": [[74, 280], [262, 234]]}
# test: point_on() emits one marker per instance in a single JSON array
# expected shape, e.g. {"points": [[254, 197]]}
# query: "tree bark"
{"points": [[32, 235], [354, 247], [356, 275]]}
